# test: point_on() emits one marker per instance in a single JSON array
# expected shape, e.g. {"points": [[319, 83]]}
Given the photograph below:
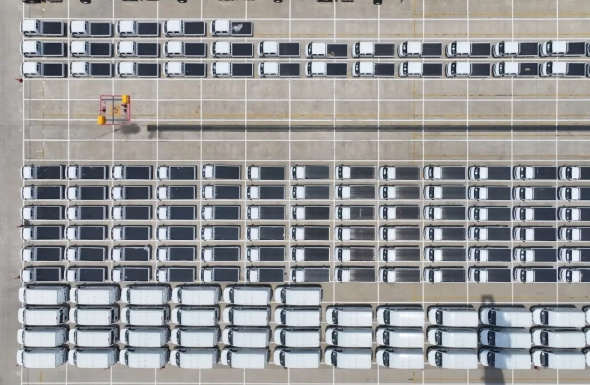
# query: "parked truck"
{"points": [[573, 254], [489, 173], [534, 234], [176, 192], [522, 193], [81, 69], [87, 274], [131, 192], [454, 192], [36, 48], [231, 192], [535, 173], [131, 253], [266, 173], [85, 193], [489, 274], [327, 69], [220, 233], [132, 28], [225, 27], [266, 253], [574, 234], [310, 233], [354, 253], [224, 69], [265, 233], [87, 233], [366, 49], [278, 49], [468, 69], [420, 70], [176, 233], [399, 233], [444, 233], [373, 69], [42, 274], [489, 193], [445, 254], [444, 213], [574, 274], [226, 49], [43, 172], [535, 213], [131, 274], [344, 172], [489, 233], [176, 253], [84, 28], [354, 233], [490, 213], [573, 193], [185, 69], [42, 233], [563, 69], [220, 253], [42, 253], [315, 192], [176, 274], [256, 213], [444, 173], [444, 274], [310, 254], [468, 49], [355, 191], [273, 69], [310, 172], [310, 274], [354, 274], [132, 172], [49, 28], [137, 70], [220, 274], [184, 28], [534, 274], [35, 69], [399, 173], [515, 49], [42, 213], [400, 254], [268, 192], [399, 274], [326, 50], [534, 254], [489, 254], [219, 212], [574, 173], [265, 274], [178, 213], [562, 48], [177, 172], [516, 69], [310, 213], [222, 172], [131, 233], [399, 192], [186, 49], [416, 49], [355, 213], [136, 49]]}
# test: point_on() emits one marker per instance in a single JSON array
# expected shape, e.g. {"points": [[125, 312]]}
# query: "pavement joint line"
{"points": [[376, 99], [274, 19]]}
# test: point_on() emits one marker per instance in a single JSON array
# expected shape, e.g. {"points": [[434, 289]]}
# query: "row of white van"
{"points": [[305, 358], [340, 315], [260, 337], [192, 295]]}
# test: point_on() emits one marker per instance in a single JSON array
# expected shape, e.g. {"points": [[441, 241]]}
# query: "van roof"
{"points": [[195, 358], [247, 295], [41, 316], [196, 295], [91, 316], [403, 358], [460, 359], [144, 358], [248, 358], [400, 316], [93, 358], [299, 295], [298, 358], [43, 295], [299, 316], [93, 295], [195, 316], [41, 357], [350, 358], [146, 295]]}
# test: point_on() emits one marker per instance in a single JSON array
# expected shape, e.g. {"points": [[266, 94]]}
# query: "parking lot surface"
{"points": [[308, 121]]}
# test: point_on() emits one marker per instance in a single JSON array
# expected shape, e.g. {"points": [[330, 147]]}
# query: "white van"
{"points": [[514, 317], [558, 358], [247, 295], [145, 316], [570, 317], [145, 295], [154, 337], [41, 358], [400, 337], [194, 358], [43, 295], [558, 338], [144, 358], [41, 337], [245, 358], [196, 295], [297, 358], [93, 358], [94, 337], [505, 358], [505, 338], [452, 337], [297, 337], [43, 315], [195, 337], [298, 316], [586, 310], [400, 358], [246, 316], [349, 337], [349, 358], [349, 315], [299, 295], [246, 337], [452, 358], [460, 316], [409, 316], [94, 316], [193, 316], [95, 295]]}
